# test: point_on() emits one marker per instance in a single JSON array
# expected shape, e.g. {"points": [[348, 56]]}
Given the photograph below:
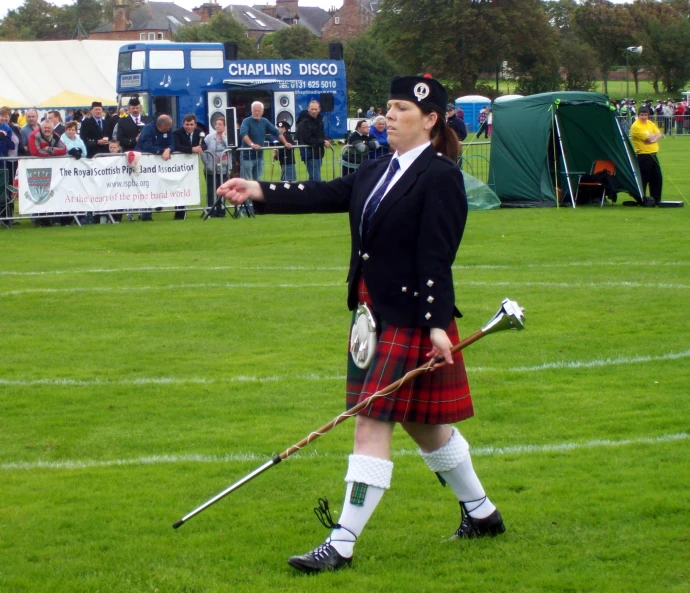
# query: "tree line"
{"points": [[544, 45]]}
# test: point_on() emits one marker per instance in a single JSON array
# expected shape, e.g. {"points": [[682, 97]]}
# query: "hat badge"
{"points": [[421, 91]]}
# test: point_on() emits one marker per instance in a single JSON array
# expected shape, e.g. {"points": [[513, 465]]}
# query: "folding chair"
{"points": [[599, 166]]}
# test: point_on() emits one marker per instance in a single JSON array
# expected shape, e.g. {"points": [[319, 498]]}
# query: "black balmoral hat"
{"points": [[423, 91], [96, 104], [134, 101]]}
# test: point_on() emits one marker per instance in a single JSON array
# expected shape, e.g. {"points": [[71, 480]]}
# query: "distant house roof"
{"points": [[155, 16], [253, 19], [313, 18], [284, 13]]}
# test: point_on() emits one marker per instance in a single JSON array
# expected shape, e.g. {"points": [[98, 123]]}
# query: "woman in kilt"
{"points": [[407, 215]]}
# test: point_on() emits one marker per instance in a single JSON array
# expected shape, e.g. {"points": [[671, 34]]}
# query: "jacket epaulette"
{"points": [[447, 159]]}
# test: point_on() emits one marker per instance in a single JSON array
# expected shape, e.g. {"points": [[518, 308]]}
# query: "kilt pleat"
{"points": [[441, 397]]}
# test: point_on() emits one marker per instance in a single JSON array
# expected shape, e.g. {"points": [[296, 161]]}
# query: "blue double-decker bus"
{"points": [[206, 80]]}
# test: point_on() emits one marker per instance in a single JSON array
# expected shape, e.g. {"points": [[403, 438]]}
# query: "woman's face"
{"points": [[4, 119], [380, 126], [71, 133], [220, 126], [407, 126]]}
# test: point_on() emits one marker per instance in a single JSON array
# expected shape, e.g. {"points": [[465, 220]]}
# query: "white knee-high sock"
{"points": [[367, 479], [453, 464]]}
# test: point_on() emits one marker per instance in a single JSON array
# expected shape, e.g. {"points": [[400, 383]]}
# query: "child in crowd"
{"points": [[286, 156], [114, 148]]}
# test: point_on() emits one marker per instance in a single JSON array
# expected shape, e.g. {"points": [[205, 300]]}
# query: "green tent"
{"points": [[572, 129]]}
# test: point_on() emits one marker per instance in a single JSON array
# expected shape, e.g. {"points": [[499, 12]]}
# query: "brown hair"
{"points": [[189, 117], [443, 137], [71, 124], [5, 111]]}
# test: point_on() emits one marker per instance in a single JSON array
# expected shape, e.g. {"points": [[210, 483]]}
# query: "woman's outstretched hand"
{"points": [[237, 191]]}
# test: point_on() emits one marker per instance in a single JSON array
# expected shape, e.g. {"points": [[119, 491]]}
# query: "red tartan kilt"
{"points": [[441, 397]]}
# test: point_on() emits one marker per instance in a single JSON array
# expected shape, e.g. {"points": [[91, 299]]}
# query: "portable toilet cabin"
{"points": [[471, 106]]}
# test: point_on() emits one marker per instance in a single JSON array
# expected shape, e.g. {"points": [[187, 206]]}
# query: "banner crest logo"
{"points": [[39, 185]]}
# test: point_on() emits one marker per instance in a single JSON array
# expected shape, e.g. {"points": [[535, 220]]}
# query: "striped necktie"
{"points": [[375, 199]]}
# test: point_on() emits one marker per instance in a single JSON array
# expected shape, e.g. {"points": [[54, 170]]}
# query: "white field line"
{"points": [[237, 285], [167, 287], [580, 264], [165, 380], [572, 364], [244, 457]]}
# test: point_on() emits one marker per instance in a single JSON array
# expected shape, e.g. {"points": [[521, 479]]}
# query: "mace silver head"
{"points": [[509, 316]]}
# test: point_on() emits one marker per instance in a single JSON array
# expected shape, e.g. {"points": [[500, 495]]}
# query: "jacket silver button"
{"points": [[404, 288], [429, 283], [365, 256], [430, 299], [427, 316]]}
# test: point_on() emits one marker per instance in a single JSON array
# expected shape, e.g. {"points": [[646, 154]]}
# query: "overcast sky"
{"points": [[6, 5]]}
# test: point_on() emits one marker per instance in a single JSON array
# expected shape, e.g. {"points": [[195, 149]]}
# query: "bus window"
{"points": [[124, 62], [167, 105], [134, 60], [143, 99], [166, 60], [205, 59]]}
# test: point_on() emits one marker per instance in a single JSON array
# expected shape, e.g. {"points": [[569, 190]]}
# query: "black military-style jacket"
{"points": [[128, 131], [413, 237]]}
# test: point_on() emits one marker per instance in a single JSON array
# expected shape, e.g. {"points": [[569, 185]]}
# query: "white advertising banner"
{"points": [[61, 184]]}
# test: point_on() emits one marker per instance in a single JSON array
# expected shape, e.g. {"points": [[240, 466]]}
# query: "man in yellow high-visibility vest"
{"points": [[645, 137]]}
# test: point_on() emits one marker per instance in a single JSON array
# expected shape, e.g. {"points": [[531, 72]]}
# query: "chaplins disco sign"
{"points": [[56, 185]]}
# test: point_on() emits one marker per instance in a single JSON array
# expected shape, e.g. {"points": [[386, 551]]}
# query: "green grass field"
{"points": [[617, 89], [147, 367]]}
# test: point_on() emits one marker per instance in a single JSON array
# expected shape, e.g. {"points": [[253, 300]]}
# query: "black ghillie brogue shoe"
{"points": [[323, 558], [472, 528]]}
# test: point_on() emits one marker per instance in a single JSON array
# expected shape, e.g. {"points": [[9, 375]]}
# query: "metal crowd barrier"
{"points": [[350, 166], [9, 198], [9, 195], [130, 213], [475, 159], [669, 125], [275, 171], [271, 164]]}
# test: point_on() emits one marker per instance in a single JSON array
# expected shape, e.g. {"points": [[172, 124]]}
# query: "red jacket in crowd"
{"points": [[40, 146]]}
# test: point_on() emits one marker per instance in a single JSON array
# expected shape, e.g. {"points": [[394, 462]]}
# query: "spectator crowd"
{"points": [[95, 131]]}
